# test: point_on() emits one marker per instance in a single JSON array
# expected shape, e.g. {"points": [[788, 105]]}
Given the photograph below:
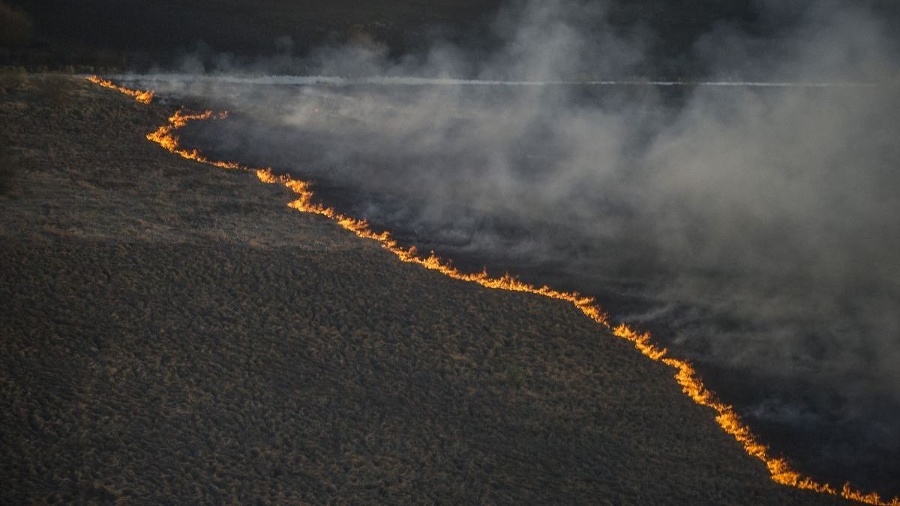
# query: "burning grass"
{"points": [[144, 97]]}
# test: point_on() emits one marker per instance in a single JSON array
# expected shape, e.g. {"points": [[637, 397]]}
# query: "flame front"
{"points": [[142, 96], [165, 137], [692, 385]]}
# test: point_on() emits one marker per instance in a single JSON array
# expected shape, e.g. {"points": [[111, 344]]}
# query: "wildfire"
{"points": [[692, 385], [144, 97], [165, 137]]}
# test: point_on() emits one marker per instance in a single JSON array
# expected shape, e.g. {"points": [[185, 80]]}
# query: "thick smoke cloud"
{"points": [[757, 227]]}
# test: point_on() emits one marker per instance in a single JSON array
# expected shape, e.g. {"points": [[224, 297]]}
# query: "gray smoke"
{"points": [[758, 225]]}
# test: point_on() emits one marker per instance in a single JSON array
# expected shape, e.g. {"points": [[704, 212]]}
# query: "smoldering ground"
{"points": [[754, 227]]}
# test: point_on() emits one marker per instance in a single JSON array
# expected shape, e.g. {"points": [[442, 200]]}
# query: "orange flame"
{"points": [[165, 137], [144, 97], [692, 385]]}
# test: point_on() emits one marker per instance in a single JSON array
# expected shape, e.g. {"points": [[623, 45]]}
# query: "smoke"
{"points": [[753, 227]]}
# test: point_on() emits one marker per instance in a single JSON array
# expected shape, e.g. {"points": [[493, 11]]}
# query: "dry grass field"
{"points": [[171, 333]]}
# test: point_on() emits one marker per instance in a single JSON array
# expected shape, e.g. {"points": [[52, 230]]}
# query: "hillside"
{"points": [[172, 332]]}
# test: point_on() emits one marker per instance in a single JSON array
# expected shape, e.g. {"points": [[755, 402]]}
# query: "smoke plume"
{"points": [[748, 215]]}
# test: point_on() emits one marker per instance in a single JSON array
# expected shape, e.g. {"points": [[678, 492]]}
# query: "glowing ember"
{"points": [[685, 374]]}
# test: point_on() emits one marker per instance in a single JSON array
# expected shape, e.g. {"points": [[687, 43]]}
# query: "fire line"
{"points": [[144, 97], [780, 470]]}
